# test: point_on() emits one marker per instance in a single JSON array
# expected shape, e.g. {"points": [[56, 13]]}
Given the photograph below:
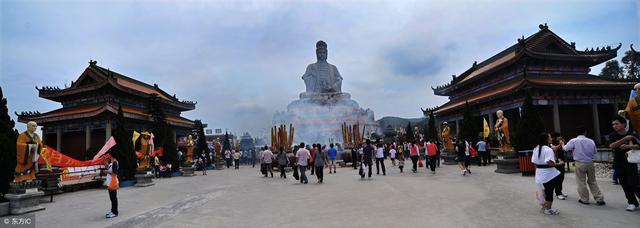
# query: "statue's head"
{"points": [[321, 50], [500, 114], [32, 127], [190, 137], [637, 88]]}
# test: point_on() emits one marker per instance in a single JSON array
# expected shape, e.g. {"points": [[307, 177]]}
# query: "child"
{"points": [[401, 161]]}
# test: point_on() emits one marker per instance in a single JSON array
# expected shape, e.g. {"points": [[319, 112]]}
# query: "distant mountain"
{"points": [[397, 122]]}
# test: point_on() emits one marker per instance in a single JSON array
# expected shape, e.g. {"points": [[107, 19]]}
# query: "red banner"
{"points": [[55, 158]]}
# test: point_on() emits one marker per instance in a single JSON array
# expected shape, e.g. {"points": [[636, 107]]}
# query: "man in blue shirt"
{"points": [[332, 153]]}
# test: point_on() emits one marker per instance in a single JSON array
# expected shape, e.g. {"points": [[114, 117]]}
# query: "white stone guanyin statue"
{"points": [[322, 77]]}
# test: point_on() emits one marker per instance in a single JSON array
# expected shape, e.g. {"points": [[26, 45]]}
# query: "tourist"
{"points": [[313, 151], [332, 153], [467, 152], [584, 151], [267, 159], [560, 160], [227, 157], [461, 154], [392, 154], [236, 159], [354, 158], [283, 161], [319, 162], [432, 155], [438, 151], [414, 154], [113, 184], [367, 157], [303, 157], [546, 173], [202, 163], [482, 151], [400, 161], [156, 166], [253, 158], [380, 158], [621, 142]]}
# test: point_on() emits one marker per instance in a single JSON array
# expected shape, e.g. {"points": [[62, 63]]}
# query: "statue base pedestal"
{"points": [[449, 159], [187, 171], [507, 163], [24, 197], [143, 178], [220, 165]]}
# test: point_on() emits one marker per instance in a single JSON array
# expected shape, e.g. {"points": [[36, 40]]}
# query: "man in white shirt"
{"points": [[303, 156], [380, 158], [392, 154], [584, 150], [267, 159]]}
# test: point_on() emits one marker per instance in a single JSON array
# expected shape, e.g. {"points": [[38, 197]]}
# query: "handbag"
{"points": [[114, 184], [633, 156], [361, 172], [420, 163]]}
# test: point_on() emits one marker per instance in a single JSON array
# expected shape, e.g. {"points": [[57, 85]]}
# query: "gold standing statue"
{"points": [[632, 111], [446, 137], [145, 151], [190, 145], [28, 149], [501, 130]]}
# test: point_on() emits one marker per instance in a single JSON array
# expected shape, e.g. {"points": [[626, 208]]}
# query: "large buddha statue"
{"points": [[322, 77], [28, 149], [502, 131]]}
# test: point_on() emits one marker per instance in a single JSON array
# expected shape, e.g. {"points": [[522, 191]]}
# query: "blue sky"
{"points": [[242, 60]]}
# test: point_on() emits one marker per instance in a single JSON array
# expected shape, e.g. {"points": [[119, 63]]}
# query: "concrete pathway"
{"points": [[242, 198]]}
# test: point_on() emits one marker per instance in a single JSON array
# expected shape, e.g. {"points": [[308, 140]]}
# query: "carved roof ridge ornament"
{"points": [[543, 26], [634, 50]]}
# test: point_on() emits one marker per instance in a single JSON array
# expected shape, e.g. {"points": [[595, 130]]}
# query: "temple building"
{"points": [[556, 75], [90, 106]]}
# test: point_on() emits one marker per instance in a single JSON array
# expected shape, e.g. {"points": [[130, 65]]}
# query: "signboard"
{"points": [[208, 132], [219, 131]]}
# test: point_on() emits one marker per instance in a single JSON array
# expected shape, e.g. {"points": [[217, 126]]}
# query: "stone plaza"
{"points": [[243, 198]]}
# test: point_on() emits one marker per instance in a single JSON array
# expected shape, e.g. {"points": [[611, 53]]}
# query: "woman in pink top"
{"points": [[413, 153]]}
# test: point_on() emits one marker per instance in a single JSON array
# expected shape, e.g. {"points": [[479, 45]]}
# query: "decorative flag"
{"points": [[153, 147], [136, 135], [486, 129], [110, 143]]}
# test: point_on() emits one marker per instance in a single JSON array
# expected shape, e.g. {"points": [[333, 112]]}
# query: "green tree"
{"points": [[631, 61], [123, 150], [203, 147], [469, 130], [529, 126], [432, 130], [409, 133], [8, 139], [226, 145], [612, 69]]}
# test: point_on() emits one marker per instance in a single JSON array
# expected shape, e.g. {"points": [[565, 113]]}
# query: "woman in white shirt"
{"points": [[546, 173]]}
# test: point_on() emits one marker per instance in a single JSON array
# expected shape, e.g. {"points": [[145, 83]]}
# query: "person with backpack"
{"points": [[319, 161], [283, 162]]}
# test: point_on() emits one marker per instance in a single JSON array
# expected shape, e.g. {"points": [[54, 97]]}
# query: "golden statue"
{"points": [[28, 149], [145, 150], [632, 111], [501, 130], [190, 144], [446, 139]]}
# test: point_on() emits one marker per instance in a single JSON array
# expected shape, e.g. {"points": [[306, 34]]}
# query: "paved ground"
{"points": [[241, 198]]}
